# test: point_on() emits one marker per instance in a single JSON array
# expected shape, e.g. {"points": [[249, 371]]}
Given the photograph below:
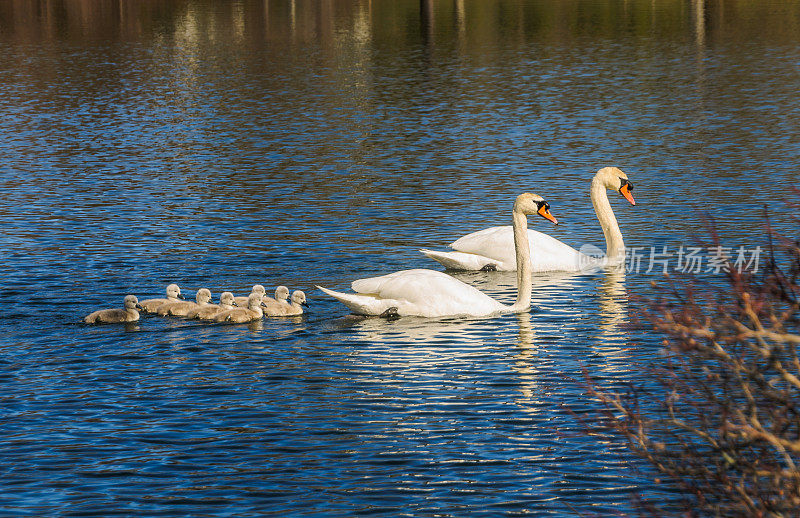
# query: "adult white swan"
{"points": [[493, 248], [428, 293]]}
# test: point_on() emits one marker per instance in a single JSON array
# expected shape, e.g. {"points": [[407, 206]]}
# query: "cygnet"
{"points": [[209, 311], [182, 308], [241, 315], [281, 294], [286, 309], [173, 295], [257, 289], [117, 315]]}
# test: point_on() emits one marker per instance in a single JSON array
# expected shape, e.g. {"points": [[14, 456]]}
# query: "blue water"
{"points": [[221, 145]]}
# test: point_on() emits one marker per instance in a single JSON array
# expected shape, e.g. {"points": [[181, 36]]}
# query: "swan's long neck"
{"points": [[523, 250], [615, 247]]}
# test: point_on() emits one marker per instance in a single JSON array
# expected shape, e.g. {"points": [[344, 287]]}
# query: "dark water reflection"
{"points": [[219, 144]]}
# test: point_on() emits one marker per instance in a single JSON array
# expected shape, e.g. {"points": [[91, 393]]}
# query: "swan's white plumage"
{"points": [[495, 245], [423, 293], [427, 293]]}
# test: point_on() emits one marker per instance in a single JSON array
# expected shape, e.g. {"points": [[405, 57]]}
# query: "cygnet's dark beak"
{"points": [[139, 306], [304, 303], [234, 304], [180, 296]]}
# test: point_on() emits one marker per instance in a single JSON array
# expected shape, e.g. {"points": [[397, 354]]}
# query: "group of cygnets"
{"points": [[235, 310]]}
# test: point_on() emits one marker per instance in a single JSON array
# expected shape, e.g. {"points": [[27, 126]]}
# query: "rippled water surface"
{"points": [[223, 144]]}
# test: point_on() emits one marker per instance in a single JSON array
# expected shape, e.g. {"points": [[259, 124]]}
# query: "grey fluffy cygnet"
{"points": [[241, 315], [117, 315], [182, 308], [257, 290], [173, 295], [281, 294], [286, 309], [209, 311]]}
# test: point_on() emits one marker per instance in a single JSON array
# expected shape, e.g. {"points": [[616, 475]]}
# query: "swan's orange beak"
{"points": [[545, 213], [625, 190]]}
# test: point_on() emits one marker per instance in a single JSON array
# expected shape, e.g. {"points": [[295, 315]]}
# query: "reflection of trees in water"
{"points": [[478, 22]]}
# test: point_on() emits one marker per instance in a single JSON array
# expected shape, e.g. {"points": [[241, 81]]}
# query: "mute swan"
{"points": [[285, 309], [209, 311], [257, 289], [182, 308], [173, 295], [429, 293], [242, 315], [114, 316], [493, 248]]}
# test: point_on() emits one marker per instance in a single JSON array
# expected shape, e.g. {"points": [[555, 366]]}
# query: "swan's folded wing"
{"points": [[547, 252], [411, 285], [494, 242], [461, 261], [550, 254], [427, 293]]}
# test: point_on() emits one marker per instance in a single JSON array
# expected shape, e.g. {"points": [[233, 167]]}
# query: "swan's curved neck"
{"points": [[524, 268], [615, 247]]}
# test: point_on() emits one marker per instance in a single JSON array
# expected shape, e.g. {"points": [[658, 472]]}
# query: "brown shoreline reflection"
{"points": [[474, 23]]}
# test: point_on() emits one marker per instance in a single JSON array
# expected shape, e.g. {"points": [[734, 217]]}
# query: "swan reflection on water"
{"points": [[526, 366], [612, 337], [539, 339]]}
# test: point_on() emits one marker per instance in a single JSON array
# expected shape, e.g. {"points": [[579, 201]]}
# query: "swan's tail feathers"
{"points": [[359, 304], [459, 260]]}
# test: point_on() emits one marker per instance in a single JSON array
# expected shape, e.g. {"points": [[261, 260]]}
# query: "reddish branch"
{"points": [[724, 422]]}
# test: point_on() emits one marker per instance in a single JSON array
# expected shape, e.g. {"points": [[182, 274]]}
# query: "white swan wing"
{"points": [[497, 243], [550, 254], [425, 293]]}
